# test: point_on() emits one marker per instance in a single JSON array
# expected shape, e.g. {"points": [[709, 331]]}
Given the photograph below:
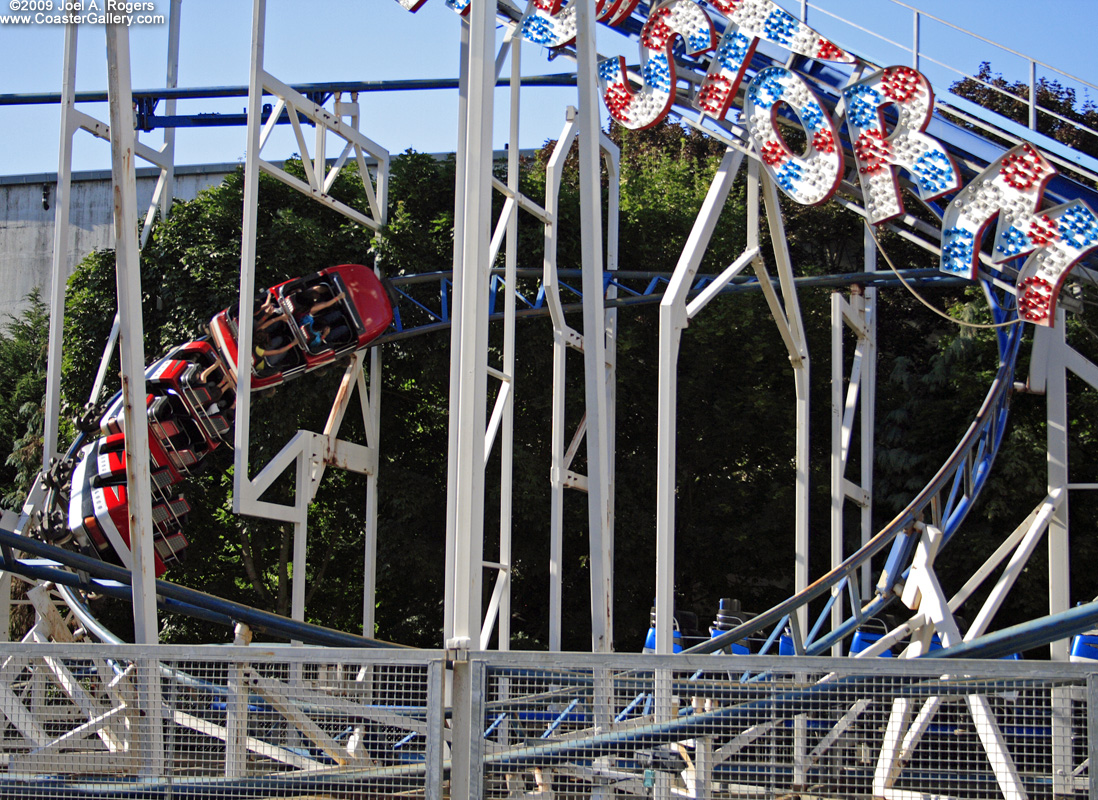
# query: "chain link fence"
{"points": [[252, 722]]}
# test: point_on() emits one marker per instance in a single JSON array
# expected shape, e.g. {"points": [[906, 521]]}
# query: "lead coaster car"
{"points": [[188, 407], [356, 320]]}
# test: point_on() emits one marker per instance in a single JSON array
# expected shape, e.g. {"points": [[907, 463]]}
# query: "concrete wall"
{"points": [[26, 228]]}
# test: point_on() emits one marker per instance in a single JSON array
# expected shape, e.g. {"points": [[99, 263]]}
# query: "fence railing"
{"points": [[127, 721], [949, 54]]}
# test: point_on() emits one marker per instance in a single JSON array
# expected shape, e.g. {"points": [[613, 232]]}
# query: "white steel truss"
{"points": [[859, 313], [310, 453], [475, 252], [73, 120], [565, 337]]}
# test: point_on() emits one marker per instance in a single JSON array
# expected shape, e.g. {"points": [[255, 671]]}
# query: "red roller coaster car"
{"points": [[316, 320], [354, 309]]}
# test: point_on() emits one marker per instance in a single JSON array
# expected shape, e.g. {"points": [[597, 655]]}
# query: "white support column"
{"points": [[241, 483], [131, 339], [456, 294], [556, 489], [599, 508], [470, 336], [302, 495], [837, 463], [673, 316], [1059, 559], [168, 176], [563, 337], [507, 440], [611, 157], [128, 268], [869, 409], [59, 273], [5, 602], [165, 185], [371, 420], [792, 329], [858, 315]]}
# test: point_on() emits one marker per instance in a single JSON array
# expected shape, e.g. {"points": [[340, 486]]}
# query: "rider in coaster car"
{"points": [[267, 310], [266, 356], [315, 330]]}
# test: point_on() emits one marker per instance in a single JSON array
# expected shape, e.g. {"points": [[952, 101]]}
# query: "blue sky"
{"points": [[377, 39]]}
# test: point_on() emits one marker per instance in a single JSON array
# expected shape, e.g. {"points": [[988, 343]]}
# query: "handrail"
{"points": [[918, 55]]}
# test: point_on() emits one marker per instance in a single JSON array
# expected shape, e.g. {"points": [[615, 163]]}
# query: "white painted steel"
{"points": [[787, 315], [857, 314], [599, 499], [673, 319], [59, 272], [172, 81], [243, 492], [611, 157], [371, 423], [132, 356], [311, 453], [131, 338], [868, 417], [470, 336], [456, 299], [838, 465], [1015, 566], [507, 444], [302, 496], [1059, 556], [563, 336], [165, 185]]}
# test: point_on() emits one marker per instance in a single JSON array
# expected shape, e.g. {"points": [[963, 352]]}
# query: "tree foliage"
{"points": [[23, 348], [736, 440], [1061, 114]]}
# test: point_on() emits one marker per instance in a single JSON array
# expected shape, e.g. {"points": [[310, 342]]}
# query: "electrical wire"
{"points": [[921, 299]]}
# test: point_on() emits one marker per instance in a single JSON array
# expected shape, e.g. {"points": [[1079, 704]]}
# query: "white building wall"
{"points": [[26, 228]]}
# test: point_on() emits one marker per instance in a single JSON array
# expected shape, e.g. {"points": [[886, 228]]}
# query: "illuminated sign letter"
{"points": [[877, 152], [808, 179], [1060, 237], [748, 22], [1011, 188], [553, 24], [644, 108], [460, 6]]}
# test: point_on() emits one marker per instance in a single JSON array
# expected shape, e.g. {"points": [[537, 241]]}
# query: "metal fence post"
{"points": [[1092, 734], [436, 748], [467, 759], [1033, 95]]}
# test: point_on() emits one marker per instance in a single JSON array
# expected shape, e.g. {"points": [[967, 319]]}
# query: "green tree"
{"points": [[23, 350], [1060, 113]]}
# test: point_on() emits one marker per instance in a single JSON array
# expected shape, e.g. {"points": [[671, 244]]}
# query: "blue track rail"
{"points": [[944, 502]]}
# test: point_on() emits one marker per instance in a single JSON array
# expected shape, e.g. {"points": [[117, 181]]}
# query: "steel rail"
{"points": [[988, 421]]}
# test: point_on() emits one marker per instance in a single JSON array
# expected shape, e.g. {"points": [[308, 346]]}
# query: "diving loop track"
{"points": [[950, 493], [943, 502]]}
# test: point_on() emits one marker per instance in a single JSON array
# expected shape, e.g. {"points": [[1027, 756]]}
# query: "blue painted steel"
{"points": [[1026, 636], [974, 454], [1084, 647], [625, 712], [169, 595], [863, 639], [556, 723]]}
